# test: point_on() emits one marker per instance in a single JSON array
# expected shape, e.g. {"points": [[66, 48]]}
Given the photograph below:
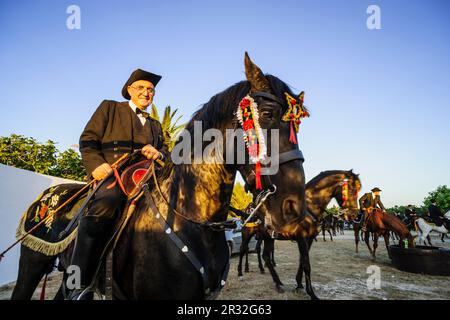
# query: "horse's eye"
{"points": [[267, 114]]}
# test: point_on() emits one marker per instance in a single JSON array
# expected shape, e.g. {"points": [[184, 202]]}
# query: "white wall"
{"points": [[18, 189]]}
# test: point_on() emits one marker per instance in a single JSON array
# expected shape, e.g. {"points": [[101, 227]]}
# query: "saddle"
{"points": [[134, 176]]}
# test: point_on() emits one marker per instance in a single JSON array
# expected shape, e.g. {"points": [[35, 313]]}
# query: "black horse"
{"points": [[170, 248]]}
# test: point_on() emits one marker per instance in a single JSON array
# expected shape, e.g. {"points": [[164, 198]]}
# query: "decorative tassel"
{"points": [[43, 288], [258, 175], [292, 137]]}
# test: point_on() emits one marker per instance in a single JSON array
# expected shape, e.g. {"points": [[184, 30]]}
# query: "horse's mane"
{"points": [[222, 106], [323, 174]]}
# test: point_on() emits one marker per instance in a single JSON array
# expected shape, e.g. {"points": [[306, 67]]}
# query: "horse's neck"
{"points": [[201, 192], [394, 224], [318, 197]]}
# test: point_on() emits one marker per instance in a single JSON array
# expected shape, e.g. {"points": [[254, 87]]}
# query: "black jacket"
{"points": [[435, 214], [115, 129], [368, 201]]}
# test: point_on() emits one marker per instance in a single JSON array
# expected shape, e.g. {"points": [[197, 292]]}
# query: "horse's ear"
{"points": [[255, 76], [351, 170]]}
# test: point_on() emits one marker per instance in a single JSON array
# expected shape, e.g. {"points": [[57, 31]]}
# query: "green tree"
{"points": [[442, 197], [334, 210], [69, 166], [169, 124], [240, 199], [26, 153]]}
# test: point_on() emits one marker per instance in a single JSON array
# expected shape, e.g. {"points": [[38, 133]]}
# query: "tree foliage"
{"points": [[442, 197], [27, 153], [240, 199], [169, 124]]}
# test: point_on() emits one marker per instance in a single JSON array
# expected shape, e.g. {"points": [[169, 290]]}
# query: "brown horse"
{"points": [[338, 184], [172, 247], [381, 223]]}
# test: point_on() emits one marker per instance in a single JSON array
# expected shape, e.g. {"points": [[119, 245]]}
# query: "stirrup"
{"points": [[79, 294]]}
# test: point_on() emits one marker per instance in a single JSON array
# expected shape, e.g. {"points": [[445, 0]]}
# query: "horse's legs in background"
{"points": [[323, 231], [273, 257], [356, 231], [268, 247], [331, 236], [300, 270], [258, 253], [247, 268], [442, 237], [32, 267], [60, 295], [375, 244], [303, 247], [386, 242], [243, 249], [429, 239], [367, 240]]}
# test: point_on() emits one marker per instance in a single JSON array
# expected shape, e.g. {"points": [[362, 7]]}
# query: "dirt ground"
{"points": [[337, 273]]}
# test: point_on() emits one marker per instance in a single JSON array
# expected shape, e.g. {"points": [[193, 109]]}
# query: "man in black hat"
{"points": [[367, 203], [114, 129]]}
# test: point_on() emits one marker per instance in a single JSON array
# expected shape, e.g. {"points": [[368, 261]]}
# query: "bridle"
{"points": [[343, 198]]}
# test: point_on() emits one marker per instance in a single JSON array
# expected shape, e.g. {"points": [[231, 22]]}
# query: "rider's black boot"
{"points": [[89, 245]]}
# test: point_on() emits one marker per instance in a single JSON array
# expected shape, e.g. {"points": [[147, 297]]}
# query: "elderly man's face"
{"points": [[376, 193], [141, 93]]}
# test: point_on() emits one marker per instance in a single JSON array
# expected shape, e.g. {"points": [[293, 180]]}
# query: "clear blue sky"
{"points": [[379, 98]]}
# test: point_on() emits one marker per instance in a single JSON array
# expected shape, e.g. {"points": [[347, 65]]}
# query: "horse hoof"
{"points": [[299, 289], [240, 278], [280, 289], [314, 297], [262, 271], [247, 270]]}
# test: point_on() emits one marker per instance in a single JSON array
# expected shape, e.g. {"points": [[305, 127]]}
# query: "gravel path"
{"points": [[337, 273]]}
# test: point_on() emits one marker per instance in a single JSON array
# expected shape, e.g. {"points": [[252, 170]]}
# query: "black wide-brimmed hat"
{"points": [[376, 189], [139, 74]]}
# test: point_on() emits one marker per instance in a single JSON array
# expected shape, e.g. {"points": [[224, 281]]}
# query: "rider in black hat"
{"points": [[114, 129], [368, 202]]}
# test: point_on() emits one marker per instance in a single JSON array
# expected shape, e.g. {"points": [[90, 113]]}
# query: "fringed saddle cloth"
{"points": [[54, 236], [45, 239]]}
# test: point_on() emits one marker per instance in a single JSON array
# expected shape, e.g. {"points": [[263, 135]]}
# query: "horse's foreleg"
{"points": [[386, 242], [247, 268], [323, 233], [356, 231], [258, 253], [375, 244], [429, 239], [331, 235], [268, 247], [32, 267], [300, 271], [242, 250], [273, 257], [367, 241], [303, 247]]}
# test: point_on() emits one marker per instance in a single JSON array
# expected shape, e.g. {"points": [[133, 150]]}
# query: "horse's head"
{"points": [[346, 194], [273, 103]]}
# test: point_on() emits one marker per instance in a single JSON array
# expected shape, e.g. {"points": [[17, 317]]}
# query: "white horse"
{"points": [[424, 228]]}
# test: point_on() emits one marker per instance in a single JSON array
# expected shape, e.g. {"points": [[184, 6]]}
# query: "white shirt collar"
{"points": [[132, 105]]}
